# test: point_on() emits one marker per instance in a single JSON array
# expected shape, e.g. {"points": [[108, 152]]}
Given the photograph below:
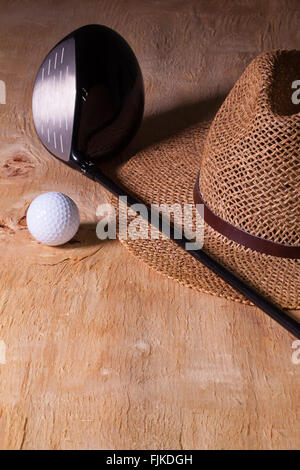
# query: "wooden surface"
{"points": [[96, 349]]}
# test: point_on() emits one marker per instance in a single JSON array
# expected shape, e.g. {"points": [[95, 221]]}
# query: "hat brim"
{"points": [[165, 173]]}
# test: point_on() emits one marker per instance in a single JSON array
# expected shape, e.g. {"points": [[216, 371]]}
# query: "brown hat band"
{"points": [[242, 237]]}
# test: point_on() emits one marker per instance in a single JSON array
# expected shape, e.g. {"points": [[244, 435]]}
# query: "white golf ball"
{"points": [[53, 218]]}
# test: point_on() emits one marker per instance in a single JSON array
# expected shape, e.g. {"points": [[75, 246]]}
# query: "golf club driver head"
{"points": [[88, 97]]}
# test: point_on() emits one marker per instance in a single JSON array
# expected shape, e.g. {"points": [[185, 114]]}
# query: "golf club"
{"points": [[88, 103]]}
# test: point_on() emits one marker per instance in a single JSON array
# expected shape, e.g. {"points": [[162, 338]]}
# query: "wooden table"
{"points": [[96, 349]]}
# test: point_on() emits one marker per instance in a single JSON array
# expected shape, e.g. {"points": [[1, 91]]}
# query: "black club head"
{"points": [[88, 97]]}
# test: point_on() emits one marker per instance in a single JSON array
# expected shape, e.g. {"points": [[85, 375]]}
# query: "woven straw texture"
{"points": [[250, 172], [250, 168]]}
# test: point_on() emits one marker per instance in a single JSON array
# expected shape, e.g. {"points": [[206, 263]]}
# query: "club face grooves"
{"points": [[53, 101], [88, 96]]}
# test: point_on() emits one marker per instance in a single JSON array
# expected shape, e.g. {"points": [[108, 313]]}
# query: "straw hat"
{"points": [[249, 182]]}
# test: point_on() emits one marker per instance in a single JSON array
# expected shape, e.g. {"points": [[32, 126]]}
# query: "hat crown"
{"points": [[250, 169]]}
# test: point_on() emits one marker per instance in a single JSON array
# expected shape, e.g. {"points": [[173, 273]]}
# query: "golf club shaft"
{"points": [[290, 324]]}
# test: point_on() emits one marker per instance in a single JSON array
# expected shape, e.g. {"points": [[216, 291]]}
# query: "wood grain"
{"points": [[97, 350]]}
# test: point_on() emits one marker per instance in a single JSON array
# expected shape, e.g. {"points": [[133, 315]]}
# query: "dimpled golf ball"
{"points": [[53, 218]]}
